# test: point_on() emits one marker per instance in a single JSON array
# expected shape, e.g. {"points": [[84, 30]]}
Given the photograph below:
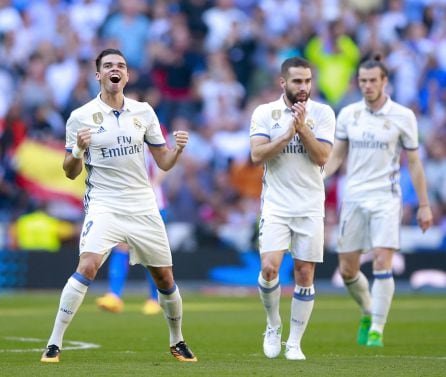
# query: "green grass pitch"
{"points": [[226, 335]]}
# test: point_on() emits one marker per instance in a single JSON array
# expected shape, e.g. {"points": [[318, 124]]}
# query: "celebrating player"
{"points": [[293, 137], [108, 135]]}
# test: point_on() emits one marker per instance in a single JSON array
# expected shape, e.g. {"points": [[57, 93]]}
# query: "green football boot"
{"points": [[375, 339], [363, 331]]}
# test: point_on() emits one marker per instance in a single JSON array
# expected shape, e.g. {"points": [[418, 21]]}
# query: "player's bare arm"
{"points": [[72, 164], [318, 151], [337, 156], [166, 158], [424, 214], [263, 149]]}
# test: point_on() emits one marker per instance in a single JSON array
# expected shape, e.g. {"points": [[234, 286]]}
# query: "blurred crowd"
{"points": [[204, 66]]}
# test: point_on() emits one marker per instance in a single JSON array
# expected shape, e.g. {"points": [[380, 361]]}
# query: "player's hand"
{"points": [[83, 138], [424, 218], [299, 113], [181, 139]]}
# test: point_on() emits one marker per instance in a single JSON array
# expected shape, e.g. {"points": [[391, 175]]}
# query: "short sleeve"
{"points": [[326, 125], [258, 125], [409, 137], [71, 132], [154, 135]]}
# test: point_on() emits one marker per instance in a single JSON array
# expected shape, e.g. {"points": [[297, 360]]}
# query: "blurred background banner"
{"points": [[39, 171]]}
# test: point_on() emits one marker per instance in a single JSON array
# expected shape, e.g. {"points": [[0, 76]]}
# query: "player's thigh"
{"points": [[353, 233], [385, 223], [147, 238], [274, 234], [307, 241]]}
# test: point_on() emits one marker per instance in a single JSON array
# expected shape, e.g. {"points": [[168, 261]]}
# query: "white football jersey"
{"points": [[292, 184], [375, 141], [117, 179]]}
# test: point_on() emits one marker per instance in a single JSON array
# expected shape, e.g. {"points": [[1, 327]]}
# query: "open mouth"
{"points": [[115, 78]]}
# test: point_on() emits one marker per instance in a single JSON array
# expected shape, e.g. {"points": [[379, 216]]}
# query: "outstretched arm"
{"points": [[424, 214]]}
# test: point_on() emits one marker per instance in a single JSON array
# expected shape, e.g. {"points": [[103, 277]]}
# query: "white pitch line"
{"points": [[389, 356], [72, 345]]}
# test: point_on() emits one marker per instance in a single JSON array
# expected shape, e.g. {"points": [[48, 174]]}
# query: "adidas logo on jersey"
{"points": [[101, 129], [277, 125]]}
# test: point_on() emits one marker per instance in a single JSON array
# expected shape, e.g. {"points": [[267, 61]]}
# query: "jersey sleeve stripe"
{"points": [[324, 141], [265, 135]]}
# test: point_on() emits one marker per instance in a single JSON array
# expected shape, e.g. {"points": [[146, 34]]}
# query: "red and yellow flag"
{"points": [[39, 171]]}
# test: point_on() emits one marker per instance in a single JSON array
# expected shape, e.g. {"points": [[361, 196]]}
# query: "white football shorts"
{"points": [[302, 236], [369, 224], [145, 235]]}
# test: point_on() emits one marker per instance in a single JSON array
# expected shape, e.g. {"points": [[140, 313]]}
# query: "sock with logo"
{"points": [[70, 300]]}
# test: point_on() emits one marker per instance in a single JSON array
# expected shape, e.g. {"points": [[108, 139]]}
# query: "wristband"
{"points": [[77, 152]]}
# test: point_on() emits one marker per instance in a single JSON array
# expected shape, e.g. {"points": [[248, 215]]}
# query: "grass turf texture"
{"points": [[226, 335]]}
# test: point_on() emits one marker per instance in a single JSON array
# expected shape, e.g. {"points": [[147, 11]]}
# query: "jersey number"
{"points": [[87, 228]]}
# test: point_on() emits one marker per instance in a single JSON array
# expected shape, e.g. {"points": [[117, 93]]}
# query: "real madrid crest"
{"points": [[356, 116], [137, 123], [387, 124], [276, 114], [309, 123], [98, 118]]}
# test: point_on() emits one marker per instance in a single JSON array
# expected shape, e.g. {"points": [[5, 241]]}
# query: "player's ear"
{"points": [[98, 76], [282, 82]]}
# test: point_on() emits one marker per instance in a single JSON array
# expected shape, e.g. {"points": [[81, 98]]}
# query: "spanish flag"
{"points": [[39, 171]]}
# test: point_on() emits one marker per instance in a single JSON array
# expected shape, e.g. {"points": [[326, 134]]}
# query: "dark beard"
{"points": [[294, 98]]}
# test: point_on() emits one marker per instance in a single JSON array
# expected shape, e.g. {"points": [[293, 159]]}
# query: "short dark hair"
{"points": [[293, 62], [107, 51], [374, 61]]}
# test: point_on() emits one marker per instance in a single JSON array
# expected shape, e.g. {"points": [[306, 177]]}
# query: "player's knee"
{"points": [[304, 275], [347, 272], [163, 279], [88, 267], [269, 271], [88, 271]]}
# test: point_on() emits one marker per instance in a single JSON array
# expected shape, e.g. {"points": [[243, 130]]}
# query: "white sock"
{"points": [[172, 304], [358, 287], [382, 292], [301, 307], [71, 298], [269, 292]]}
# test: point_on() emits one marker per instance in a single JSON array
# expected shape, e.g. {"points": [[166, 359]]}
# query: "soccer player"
{"points": [[108, 135], [373, 132], [293, 137]]}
